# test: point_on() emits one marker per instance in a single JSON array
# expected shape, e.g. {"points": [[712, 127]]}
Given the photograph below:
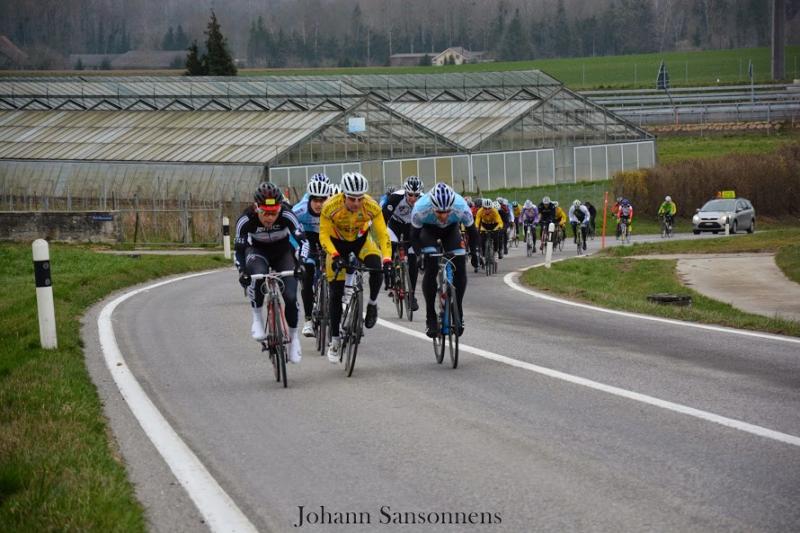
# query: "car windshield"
{"points": [[719, 205]]}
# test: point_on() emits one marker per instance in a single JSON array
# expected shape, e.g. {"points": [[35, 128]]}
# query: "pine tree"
{"points": [[218, 59], [168, 42], [425, 61], [194, 64], [181, 39]]}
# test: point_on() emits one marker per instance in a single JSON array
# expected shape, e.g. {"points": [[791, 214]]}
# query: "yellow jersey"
{"points": [[488, 217], [337, 222], [561, 217]]}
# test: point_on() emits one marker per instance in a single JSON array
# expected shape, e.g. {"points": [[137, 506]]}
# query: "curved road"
{"points": [[519, 450]]}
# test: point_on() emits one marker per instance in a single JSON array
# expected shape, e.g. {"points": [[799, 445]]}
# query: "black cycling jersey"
{"points": [[547, 213], [252, 234]]}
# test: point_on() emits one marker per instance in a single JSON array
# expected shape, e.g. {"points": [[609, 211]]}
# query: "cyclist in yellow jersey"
{"points": [[344, 227], [488, 219]]}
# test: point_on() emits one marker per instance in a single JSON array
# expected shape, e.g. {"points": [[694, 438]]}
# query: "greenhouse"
{"points": [[96, 142]]}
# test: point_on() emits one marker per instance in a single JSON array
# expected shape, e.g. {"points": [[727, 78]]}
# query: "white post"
{"points": [[226, 239], [548, 255], [44, 294], [727, 226]]}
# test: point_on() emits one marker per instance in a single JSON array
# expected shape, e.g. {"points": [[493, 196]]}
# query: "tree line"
{"points": [[348, 32]]}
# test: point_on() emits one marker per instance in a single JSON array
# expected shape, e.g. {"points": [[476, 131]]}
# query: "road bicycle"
{"points": [[320, 312], [352, 325], [448, 319], [401, 282], [530, 240], [513, 238], [561, 236], [624, 230], [276, 328], [666, 228], [579, 238], [489, 259]]}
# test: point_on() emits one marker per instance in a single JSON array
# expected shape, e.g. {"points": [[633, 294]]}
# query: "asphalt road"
{"points": [[530, 452]]}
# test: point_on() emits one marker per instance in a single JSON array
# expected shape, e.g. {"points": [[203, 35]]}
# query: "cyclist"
{"points": [[615, 212], [397, 214], [506, 216], [488, 221], [321, 176], [307, 213], [625, 212], [579, 214], [439, 215], [547, 214], [344, 228], [668, 210], [263, 240], [528, 217], [592, 215], [561, 221], [385, 197]]}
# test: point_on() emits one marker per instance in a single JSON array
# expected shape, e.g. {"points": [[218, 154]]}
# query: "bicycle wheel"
{"points": [[489, 255], [455, 323], [442, 321], [561, 239], [356, 330], [399, 288], [409, 295]]}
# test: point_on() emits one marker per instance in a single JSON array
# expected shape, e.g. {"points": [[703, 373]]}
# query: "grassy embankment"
{"points": [[58, 469], [616, 281], [630, 71]]}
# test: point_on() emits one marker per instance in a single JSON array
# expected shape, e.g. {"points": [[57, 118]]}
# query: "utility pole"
{"points": [[778, 38]]}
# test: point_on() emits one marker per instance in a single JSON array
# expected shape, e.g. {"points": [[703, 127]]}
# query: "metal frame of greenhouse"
{"points": [[103, 142]]}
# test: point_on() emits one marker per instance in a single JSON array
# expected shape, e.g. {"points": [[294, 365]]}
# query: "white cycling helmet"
{"points": [[320, 176], [354, 184], [335, 189], [527, 205], [555, 204], [486, 203], [318, 188], [496, 205], [576, 203], [668, 199], [546, 200], [413, 185], [442, 197]]}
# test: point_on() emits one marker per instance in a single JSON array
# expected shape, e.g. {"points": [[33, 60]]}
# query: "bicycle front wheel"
{"points": [[453, 334], [409, 295], [399, 289], [355, 331]]}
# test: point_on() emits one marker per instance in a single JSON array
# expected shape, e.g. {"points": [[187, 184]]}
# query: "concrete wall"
{"points": [[61, 226]]}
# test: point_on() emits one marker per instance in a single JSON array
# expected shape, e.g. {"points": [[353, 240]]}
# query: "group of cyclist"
{"points": [[337, 221], [332, 221]]}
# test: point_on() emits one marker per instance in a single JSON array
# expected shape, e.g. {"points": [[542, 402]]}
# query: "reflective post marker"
{"points": [[44, 294], [549, 253], [226, 239]]}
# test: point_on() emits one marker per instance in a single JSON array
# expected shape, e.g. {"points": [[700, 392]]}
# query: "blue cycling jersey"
{"points": [[308, 220], [423, 213]]}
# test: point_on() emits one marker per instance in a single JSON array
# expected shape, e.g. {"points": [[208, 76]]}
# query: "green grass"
{"points": [[614, 280], [58, 468], [672, 149], [630, 71], [625, 284]]}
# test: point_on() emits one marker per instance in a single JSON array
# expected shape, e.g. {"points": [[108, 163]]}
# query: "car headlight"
{"points": [[695, 219], [723, 219]]}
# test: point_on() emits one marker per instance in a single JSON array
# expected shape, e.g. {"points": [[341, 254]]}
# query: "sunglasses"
{"points": [[354, 198], [268, 209], [413, 194], [446, 211]]}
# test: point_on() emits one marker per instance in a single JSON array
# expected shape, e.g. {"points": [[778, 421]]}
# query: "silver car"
{"points": [[738, 212]]}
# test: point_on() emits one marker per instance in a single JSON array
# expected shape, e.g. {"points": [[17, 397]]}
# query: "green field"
{"points": [[631, 71]]}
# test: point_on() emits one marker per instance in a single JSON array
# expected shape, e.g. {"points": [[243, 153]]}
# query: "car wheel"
{"points": [[735, 227], [752, 227], [696, 231]]}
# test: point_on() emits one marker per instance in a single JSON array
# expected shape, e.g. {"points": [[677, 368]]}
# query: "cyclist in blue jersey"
{"points": [[307, 212], [439, 215]]}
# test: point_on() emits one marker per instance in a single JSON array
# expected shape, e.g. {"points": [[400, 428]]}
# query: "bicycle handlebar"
{"points": [[274, 275]]}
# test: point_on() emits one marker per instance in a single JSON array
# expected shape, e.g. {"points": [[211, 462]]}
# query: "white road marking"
{"points": [[218, 509], [616, 391], [508, 279]]}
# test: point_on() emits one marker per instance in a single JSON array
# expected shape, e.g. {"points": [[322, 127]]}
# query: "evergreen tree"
{"points": [[217, 58], [561, 32], [79, 64], [425, 61], [515, 45], [168, 42], [181, 39], [194, 64]]}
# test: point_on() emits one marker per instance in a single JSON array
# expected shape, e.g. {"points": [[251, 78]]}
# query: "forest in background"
{"points": [[310, 33]]}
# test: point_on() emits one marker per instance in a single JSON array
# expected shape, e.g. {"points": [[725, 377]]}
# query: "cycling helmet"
{"points": [[626, 202], [413, 185], [390, 189], [546, 200], [668, 199], [496, 205], [576, 203], [527, 205], [320, 176], [619, 199], [321, 189], [354, 184], [442, 197], [335, 189], [514, 203], [268, 194], [486, 203], [555, 204]]}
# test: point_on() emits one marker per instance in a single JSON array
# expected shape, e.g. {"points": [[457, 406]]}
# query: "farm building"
{"points": [[88, 141]]}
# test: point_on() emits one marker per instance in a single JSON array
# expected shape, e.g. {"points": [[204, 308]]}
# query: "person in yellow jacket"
{"points": [[561, 221], [344, 227], [488, 220]]}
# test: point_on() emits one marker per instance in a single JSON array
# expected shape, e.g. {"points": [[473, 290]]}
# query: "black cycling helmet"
{"points": [[268, 190]]}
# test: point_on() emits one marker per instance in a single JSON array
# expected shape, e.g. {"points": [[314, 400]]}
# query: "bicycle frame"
{"points": [[276, 327], [448, 318]]}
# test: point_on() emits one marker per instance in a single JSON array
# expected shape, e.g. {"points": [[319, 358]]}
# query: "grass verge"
{"points": [[59, 470], [616, 281]]}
